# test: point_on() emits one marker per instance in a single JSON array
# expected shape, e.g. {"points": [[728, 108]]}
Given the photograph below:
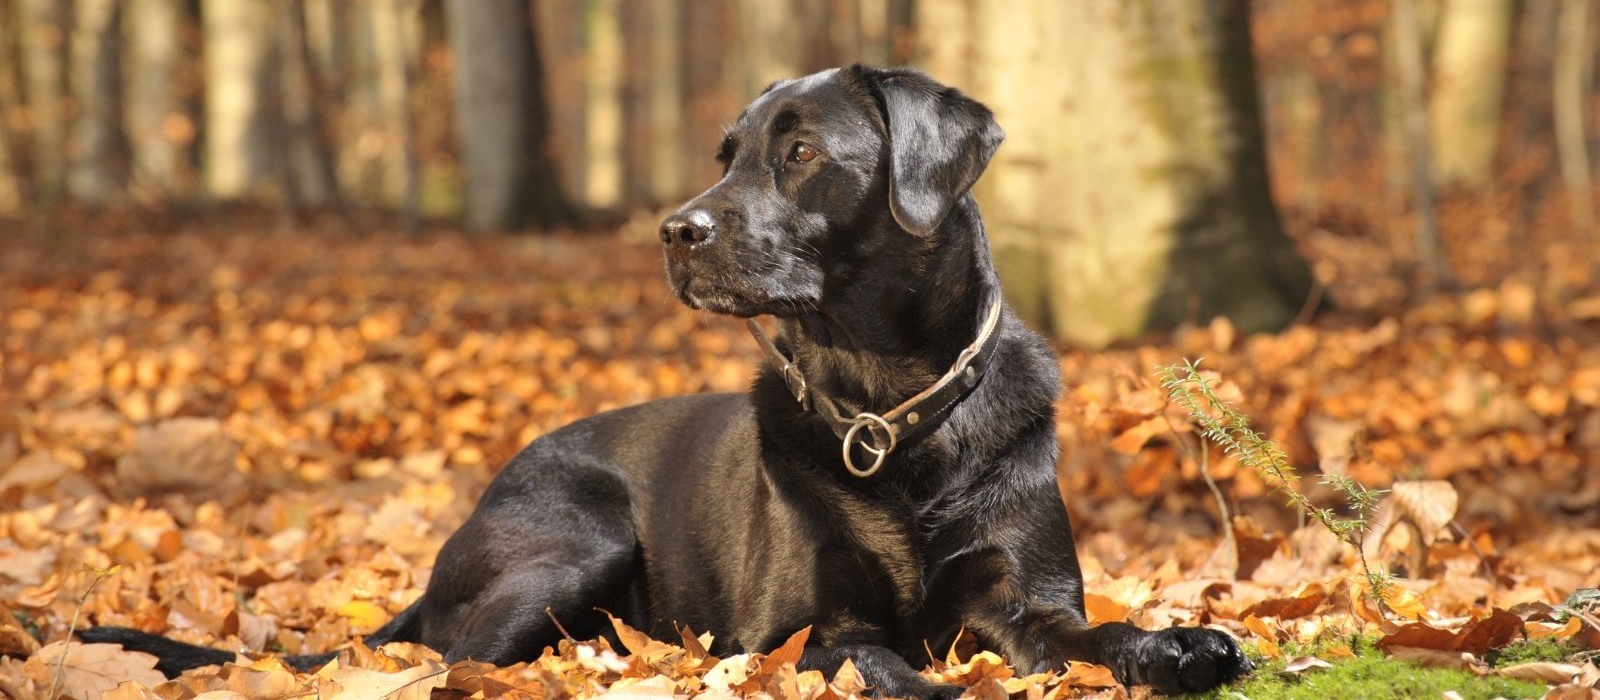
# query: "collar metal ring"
{"points": [[854, 435]]}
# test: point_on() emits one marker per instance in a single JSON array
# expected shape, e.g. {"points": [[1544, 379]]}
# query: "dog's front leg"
{"points": [[886, 673], [1175, 660]]}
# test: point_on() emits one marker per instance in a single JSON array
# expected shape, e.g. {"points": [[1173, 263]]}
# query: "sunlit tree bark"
{"points": [[241, 155], [501, 118], [1134, 194], [1466, 84]]}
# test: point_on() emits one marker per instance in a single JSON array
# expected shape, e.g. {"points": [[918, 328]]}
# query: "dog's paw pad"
{"points": [[1191, 660]]}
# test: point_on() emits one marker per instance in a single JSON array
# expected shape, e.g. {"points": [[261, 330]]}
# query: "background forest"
{"points": [[283, 282]]}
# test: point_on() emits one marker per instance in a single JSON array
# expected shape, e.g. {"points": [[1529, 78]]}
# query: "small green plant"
{"points": [[1224, 426], [1525, 650]]}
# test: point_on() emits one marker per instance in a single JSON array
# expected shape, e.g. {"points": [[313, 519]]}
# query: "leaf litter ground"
{"points": [[270, 433]]}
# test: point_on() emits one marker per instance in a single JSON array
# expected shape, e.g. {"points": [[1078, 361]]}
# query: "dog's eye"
{"points": [[804, 153]]}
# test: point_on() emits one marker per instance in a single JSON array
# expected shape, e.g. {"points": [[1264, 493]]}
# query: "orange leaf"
{"points": [[1269, 640], [788, 653]]}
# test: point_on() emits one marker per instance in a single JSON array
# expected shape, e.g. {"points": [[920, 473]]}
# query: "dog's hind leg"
{"points": [[551, 542], [533, 606]]}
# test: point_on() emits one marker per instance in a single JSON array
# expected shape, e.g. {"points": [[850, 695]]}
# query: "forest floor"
{"points": [[257, 438]]}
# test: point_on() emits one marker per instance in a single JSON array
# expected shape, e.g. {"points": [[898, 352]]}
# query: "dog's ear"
{"points": [[939, 143]]}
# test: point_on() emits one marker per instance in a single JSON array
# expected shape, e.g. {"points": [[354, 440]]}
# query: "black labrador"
{"points": [[890, 479]]}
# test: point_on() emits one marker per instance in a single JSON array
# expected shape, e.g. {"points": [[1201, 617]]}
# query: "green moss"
{"points": [[1532, 650], [1370, 676]]}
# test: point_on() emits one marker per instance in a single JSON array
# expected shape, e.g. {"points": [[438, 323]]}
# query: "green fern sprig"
{"points": [[1223, 425]]}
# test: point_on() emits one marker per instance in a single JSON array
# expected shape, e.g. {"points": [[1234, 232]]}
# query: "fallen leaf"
{"points": [[1267, 639], [1543, 671], [184, 455], [364, 616], [91, 669], [1435, 658], [416, 682], [1302, 664]]}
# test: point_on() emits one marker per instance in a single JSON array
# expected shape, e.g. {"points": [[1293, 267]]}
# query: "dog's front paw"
{"points": [[1189, 660]]}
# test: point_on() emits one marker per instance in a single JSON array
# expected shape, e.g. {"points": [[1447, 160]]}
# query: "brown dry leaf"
{"points": [[787, 653], [91, 669], [343, 683], [1102, 609], [987, 689], [1090, 675], [1264, 634], [1302, 601], [640, 644], [364, 616], [14, 640], [1437, 658], [1476, 635], [1403, 602], [183, 455], [848, 681], [1301, 664], [1133, 439], [732, 673], [1334, 442], [1544, 671]]}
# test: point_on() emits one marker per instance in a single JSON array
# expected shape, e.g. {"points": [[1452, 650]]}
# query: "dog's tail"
{"points": [[174, 657]]}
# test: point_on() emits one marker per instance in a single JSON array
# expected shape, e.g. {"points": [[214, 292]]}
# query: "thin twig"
{"points": [[72, 628], [1202, 459], [559, 628]]}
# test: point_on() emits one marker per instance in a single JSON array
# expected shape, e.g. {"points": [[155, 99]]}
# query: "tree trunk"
{"points": [[500, 115], [309, 179], [44, 25], [1135, 196], [1468, 78], [1573, 84], [14, 165], [99, 156], [241, 149], [638, 67], [602, 100], [1410, 89], [157, 126], [563, 39], [666, 130], [397, 56]]}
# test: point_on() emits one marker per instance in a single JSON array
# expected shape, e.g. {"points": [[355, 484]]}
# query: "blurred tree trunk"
{"points": [[44, 50], [602, 101], [1410, 90], [1573, 85], [1468, 79], [666, 135], [638, 67], [1141, 200], [501, 118], [157, 127], [309, 178], [99, 156], [14, 166], [563, 39], [241, 136], [395, 60]]}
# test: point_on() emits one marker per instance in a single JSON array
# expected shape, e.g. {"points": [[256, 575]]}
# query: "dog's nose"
{"points": [[688, 228]]}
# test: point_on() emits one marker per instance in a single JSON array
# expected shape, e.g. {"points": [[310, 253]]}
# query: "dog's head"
{"points": [[854, 166]]}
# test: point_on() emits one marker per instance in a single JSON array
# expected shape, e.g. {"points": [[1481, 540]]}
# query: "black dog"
{"points": [[889, 481]]}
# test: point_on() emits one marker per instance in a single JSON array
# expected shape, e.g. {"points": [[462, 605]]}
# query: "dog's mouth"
{"points": [[722, 297]]}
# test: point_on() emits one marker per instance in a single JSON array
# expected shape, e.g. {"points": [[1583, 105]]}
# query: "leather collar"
{"points": [[878, 434]]}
